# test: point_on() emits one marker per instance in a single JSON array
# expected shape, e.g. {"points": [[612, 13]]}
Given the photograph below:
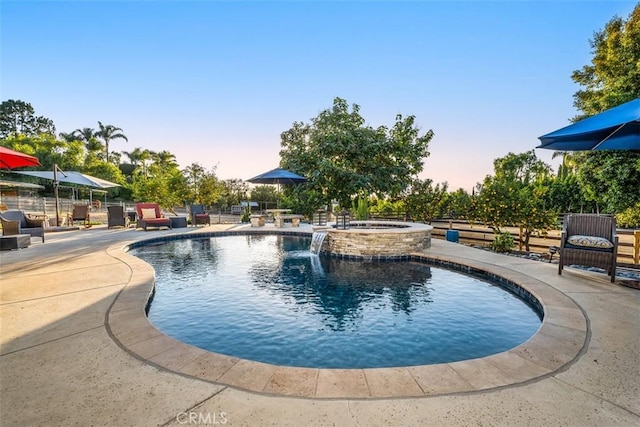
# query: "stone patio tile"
{"points": [[209, 366], [153, 346], [481, 374], [335, 383], [176, 357], [249, 375], [293, 381], [392, 382], [439, 379]]}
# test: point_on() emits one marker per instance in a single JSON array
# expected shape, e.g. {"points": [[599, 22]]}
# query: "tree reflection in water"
{"points": [[338, 289]]}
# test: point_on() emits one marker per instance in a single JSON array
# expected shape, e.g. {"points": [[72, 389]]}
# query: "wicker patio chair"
{"points": [[589, 240], [116, 217], [17, 222], [80, 213], [199, 216]]}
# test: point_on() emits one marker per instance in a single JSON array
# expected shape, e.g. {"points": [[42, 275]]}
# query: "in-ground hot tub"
{"points": [[377, 239]]}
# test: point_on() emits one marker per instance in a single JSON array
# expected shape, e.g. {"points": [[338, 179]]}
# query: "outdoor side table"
{"points": [[16, 241], [178, 221], [132, 217]]}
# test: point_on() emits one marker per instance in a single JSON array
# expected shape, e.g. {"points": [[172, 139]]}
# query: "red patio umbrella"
{"points": [[10, 159]]}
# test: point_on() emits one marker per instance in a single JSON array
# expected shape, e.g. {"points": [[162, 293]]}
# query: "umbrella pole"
{"points": [[55, 192]]}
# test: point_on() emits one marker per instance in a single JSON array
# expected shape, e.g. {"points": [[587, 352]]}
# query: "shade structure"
{"points": [[10, 159], [72, 178], [615, 129], [77, 178], [278, 176], [17, 184]]}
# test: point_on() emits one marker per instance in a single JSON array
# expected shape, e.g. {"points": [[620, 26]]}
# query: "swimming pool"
{"points": [[267, 298]]}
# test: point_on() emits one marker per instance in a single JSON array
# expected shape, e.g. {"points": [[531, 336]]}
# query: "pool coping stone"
{"points": [[559, 341]]}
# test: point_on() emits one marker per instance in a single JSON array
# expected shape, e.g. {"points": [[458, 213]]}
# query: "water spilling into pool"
{"points": [[268, 298], [317, 239]]}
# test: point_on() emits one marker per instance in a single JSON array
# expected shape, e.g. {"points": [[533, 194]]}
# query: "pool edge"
{"points": [[559, 341]]}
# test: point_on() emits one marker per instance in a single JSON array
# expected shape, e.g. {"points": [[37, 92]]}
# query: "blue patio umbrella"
{"points": [[278, 176], [615, 129]]}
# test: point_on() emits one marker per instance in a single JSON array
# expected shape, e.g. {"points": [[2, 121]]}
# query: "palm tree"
{"points": [[68, 137], [165, 159], [139, 158], [107, 133], [84, 134]]}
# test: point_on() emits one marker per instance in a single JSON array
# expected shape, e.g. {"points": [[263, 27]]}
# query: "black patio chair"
{"points": [[116, 217]]}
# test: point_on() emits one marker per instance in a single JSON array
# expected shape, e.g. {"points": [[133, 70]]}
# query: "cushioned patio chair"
{"points": [[17, 222], [150, 215], [199, 216], [589, 240], [80, 213], [116, 217]]}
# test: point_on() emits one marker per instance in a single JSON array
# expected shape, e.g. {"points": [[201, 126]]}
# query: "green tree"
{"points": [[566, 195], [139, 160], [265, 195], [164, 159], [107, 133], [204, 187], [234, 191], [426, 201], [167, 187], [344, 159], [610, 178], [49, 150], [18, 118], [613, 77], [458, 204], [515, 196], [84, 134]]}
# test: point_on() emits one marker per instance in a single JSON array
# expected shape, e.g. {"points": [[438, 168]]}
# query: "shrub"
{"points": [[629, 218], [503, 242]]}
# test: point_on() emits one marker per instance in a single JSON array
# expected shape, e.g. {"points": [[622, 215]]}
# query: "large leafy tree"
{"points": [[610, 178], [107, 133], [613, 77], [344, 159], [18, 118]]}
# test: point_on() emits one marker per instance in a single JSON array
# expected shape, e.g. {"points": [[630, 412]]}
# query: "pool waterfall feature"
{"points": [[373, 240]]}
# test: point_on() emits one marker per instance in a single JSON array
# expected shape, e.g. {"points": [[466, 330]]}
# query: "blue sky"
{"points": [[217, 82]]}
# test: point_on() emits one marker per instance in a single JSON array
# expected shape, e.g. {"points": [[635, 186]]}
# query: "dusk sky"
{"points": [[217, 82]]}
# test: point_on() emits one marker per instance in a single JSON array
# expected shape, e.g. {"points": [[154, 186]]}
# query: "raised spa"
{"points": [[266, 297], [377, 239]]}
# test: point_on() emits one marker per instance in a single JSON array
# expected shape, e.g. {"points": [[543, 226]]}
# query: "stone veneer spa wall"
{"points": [[377, 239]]}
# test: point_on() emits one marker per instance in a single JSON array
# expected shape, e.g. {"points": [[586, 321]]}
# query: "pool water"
{"points": [[267, 298]]}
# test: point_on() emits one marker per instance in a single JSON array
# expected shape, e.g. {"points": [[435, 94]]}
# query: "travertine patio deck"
{"points": [[77, 349]]}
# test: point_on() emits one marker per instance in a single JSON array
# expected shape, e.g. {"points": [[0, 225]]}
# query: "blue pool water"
{"points": [[267, 298]]}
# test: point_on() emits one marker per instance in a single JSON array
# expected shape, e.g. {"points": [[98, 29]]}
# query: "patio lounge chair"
{"points": [[149, 215], [17, 222], [116, 217], [199, 216], [80, 213], [589, 240]]}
